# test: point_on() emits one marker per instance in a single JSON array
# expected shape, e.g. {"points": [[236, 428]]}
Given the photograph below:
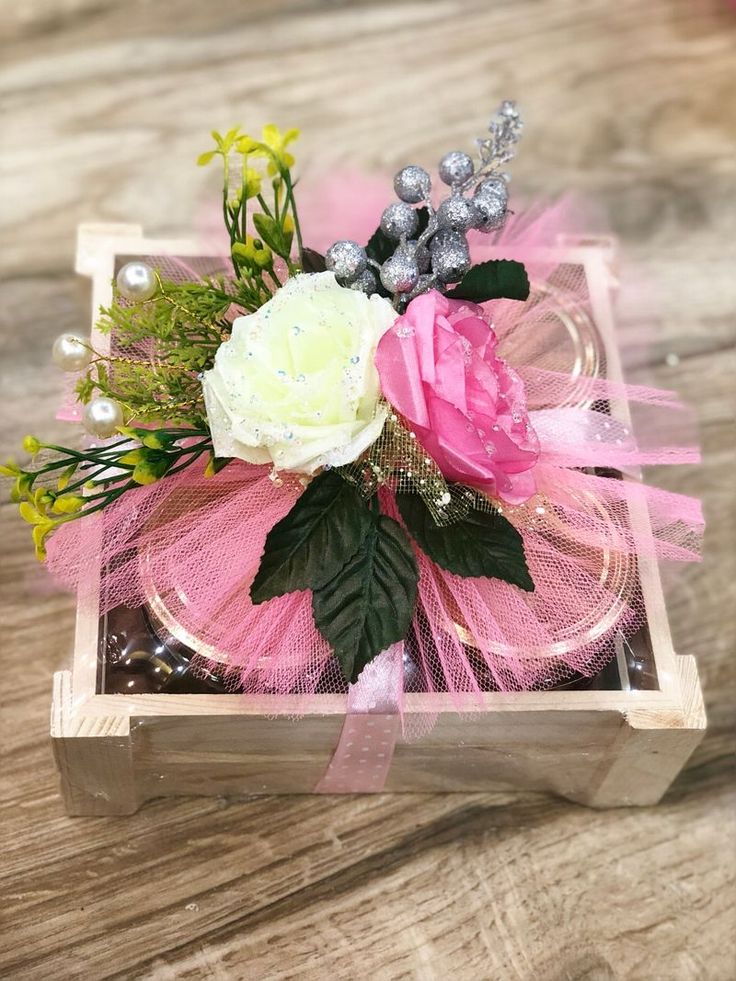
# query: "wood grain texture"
{"points": [[104, 106]]}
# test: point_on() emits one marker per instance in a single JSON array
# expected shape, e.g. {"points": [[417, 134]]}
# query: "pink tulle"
{"points": [[189, 547]]}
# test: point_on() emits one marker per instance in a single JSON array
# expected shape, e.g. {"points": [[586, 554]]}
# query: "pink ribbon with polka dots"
{"points": [[363, 755]]}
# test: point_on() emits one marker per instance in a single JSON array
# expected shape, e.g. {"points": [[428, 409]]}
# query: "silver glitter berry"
{"points": [[495, 187], [421, 254], [456, 167], [412, 184], [490, 210], [398, 220], [346, 259], [424, 283], [366, 282], [400, 273], [508, 109], [450, 255], [458, 213]]}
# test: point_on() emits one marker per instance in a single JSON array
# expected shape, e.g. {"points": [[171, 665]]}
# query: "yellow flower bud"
{"points": [[30, 513], [132, 459], [275, 143], [153, 441], [63, 481], [21, 487], [39, 534], [251, 183], [246, 144], [254, 252], [68, 504], [263, 257], [149, 470], [31, 445], [41, 498]]}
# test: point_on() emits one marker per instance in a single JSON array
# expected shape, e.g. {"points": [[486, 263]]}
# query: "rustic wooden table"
{"points": [[105, 105]]}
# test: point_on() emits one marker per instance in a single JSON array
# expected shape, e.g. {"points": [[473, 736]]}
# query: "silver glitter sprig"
{"points": [[497, 150], [439, 256]]}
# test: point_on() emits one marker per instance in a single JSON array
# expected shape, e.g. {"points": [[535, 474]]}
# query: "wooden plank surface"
{"points": [[104, 106]]}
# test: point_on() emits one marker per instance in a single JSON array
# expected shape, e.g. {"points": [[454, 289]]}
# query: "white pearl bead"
{"points": [[69, 352], [137, 281], [102, 417]]}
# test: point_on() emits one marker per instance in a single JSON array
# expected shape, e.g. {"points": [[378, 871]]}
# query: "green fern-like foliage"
{"points": [[161, 347]]}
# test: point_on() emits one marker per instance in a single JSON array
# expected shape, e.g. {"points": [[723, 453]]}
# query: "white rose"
{"points": [[295, 385]]}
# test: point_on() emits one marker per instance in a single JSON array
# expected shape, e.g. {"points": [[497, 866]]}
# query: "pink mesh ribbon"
{"points": [[362, 759], [189, 547]]}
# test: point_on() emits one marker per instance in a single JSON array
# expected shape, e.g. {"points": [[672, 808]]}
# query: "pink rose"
{"points": [[438, 367]]}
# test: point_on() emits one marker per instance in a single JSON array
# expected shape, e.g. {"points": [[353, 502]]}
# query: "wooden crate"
{"points": [[600, 748]]}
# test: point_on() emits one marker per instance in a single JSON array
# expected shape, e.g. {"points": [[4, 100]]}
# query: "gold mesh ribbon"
{"points": [[398, 459]]}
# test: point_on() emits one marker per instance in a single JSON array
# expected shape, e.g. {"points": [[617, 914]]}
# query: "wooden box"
{"points": [[605, 747]]}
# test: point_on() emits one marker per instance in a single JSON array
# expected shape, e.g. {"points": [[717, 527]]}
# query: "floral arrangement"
{"points": [[329, 454]]}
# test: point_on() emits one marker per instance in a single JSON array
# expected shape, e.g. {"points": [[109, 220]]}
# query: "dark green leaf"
{"points": [[481, 543], [380, 247], [215, 464], [316, 538], [369, 604], [492, 280], [423, 215], [312, 261]]}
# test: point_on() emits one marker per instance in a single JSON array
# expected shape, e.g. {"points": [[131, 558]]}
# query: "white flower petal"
{"points": [[296, 382]]}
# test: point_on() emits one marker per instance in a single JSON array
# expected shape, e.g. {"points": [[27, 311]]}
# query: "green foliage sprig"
{"points": [[276, 222], [65, 484], [164, 344]]}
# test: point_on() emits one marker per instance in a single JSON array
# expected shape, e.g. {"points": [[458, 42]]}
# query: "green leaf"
{"points": [[482, 543], [369, 604], [313, 542], [85, 388], [423, 215], [492, 280], [215, 464], [380, 247], [204, 158], [312, 261], [271, 233]]}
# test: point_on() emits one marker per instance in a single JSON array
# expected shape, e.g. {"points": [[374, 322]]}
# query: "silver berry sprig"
{"points": [[439, 255]]}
